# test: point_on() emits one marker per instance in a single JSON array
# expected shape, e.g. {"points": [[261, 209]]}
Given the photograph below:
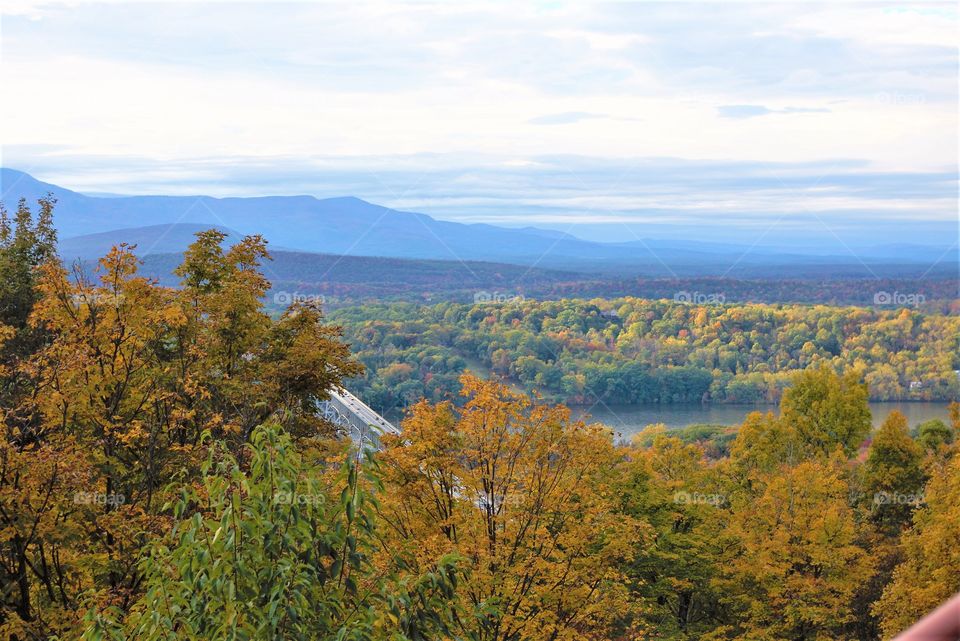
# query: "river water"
{"points": [[630, 419]]}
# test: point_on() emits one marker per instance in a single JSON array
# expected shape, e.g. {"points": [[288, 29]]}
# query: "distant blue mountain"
{"points": [[88, 225], [347, 226], [153, 239]]}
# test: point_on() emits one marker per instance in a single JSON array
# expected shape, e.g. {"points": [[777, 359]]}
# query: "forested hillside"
{"points": [[630, 350], [353, 280]]}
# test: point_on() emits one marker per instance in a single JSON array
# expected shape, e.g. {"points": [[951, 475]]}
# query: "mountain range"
{"points": [[89, 225]]}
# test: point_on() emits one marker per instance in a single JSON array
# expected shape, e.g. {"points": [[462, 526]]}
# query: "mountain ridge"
{"points": [[350, 226]]}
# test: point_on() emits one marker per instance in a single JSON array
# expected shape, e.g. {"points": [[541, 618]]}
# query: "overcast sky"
{"points": [[541, 113]]}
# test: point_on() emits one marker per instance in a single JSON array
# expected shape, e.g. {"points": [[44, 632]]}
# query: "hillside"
{"points": [[154, 239], [634, 351], [347, 280]]}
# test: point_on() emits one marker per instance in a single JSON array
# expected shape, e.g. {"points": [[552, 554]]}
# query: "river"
{"points": [[630, 419]]}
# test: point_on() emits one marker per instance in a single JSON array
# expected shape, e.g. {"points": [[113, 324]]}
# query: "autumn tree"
{"points": [[893, 473], [224, 332], [891, 487], [820, 413], [104, 381], [112, 402], [794, 558], [669, 485], [236, 366], [302, 358], [930, 571], [526, 497], [45, 507], [41, 540], [827, 409], [795, 563], [764, 444]]}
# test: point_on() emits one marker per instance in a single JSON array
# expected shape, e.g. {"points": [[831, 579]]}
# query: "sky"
{"points": [[767, 122]]}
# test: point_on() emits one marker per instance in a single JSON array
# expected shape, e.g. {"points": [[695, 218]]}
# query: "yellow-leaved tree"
{"points": [[103, 382], [930, 571], [526, 496], [794, 560], [108, 382], [796, 564]]}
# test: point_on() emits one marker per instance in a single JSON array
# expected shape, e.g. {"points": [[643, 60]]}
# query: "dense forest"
{"points": [[630, 350], [164, 476]]}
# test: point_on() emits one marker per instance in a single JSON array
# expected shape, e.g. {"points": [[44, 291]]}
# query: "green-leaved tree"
{"points": [[274, 551]]}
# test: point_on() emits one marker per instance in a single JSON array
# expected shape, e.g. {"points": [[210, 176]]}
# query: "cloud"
{"points": [[237, 99], [752, 111], [493, 188], [566, 118]]}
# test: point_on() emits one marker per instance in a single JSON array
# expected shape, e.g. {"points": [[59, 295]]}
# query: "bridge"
{"points": [[356, 418]]}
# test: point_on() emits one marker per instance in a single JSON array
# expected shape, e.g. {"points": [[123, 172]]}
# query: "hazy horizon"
{"points": [[776, 124], [782, 236]]}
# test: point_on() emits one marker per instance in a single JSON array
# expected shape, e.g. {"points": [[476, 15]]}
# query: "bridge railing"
{"points": [[356, 418]]}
